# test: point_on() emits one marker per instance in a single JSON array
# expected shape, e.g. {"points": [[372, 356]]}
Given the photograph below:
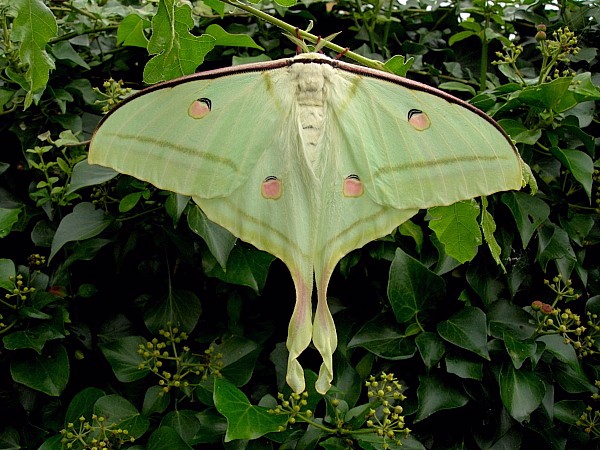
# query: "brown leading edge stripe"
{"points": [[279, 63]]}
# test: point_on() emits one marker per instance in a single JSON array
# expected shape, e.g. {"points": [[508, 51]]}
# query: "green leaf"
{"points": [[457, 86], [519, 350], [519, 133], [579, 164], [431, 348], [212, 426], [245, 266], [384, 339], [64, 50], [166, 438], [466, 329], [10, 439], [226, 39], [488, 225], [521, 391], [529, 213], [128, 202], [177, 51], [457, 229], [33, 28], [398, 65], [8, 217], [285, 3], [122, 355], [554, 95], [34, 338], [121, 412], [7, 271], [155, 400], [178, 307], [411, 286], [220, 242], [244, 421], [569, 411], [83, 223], [584, 89], [85, 175], [82, 405], [184, 422], [48, 373], [435, 394], [463, 367], [239, 358], [554, 245], [461, 35], [131, 31]]}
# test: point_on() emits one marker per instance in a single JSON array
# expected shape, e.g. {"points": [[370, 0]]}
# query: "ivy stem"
{"points": [[306, 35]]}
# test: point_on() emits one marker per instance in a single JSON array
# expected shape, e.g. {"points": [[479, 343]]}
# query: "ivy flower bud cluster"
{"points": [[295, 406], [20, 290], [175, 364], [386, 417], [590, 418], [94, 435], [113, 93]]}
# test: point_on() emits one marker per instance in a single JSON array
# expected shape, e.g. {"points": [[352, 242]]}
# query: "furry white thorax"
{"points": [[311, 81]]}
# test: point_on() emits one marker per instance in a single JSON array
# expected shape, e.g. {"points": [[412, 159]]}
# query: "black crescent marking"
{"points": [[207, 102], [353, 176], [414, 112], [270, 178]]}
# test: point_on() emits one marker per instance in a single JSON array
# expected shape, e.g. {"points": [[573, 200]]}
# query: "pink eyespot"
{"points": [[271, 188], [353, 187], [418, 119], [199, 108]]}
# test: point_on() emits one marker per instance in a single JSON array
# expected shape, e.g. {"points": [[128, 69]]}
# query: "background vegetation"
{"points": [[120, 327]]}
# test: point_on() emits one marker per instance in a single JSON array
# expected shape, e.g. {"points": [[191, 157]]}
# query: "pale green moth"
{"points": [[307, 158]]}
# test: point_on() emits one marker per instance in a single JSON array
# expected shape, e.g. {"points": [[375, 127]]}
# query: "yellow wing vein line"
{"points": [[191, 151]]}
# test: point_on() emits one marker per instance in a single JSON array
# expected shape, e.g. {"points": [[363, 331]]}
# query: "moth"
{"points": [[307, 158]]}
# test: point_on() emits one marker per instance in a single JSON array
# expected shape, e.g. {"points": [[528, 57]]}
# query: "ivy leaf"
{"points": [[220, 242], [411, 286], [529, 213], [83, 223], [179, 307], [184, 422], [381, 337], [579, 164], [131, 31], [554, 245], [488, 225], [244, 421], [178, 52], [166, 438], [122, 355], [245, 266], [457, 229], [33, 28], [226, 39], [48, 373], [519, 133], [431, 348], [83, 404], [436, 394], [85, 174], [521, 391], [466, 329], [8, 217], [121, 412]]}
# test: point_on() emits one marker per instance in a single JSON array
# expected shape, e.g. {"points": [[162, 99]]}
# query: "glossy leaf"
{"points": [[435, 394], [179, 308], [47, 373], [118, 410], [467, 329], [220, 242], [529, 213], [84, 222], [521, 391], [412, 286], [122, 355], [244, 421], [457, 229]]}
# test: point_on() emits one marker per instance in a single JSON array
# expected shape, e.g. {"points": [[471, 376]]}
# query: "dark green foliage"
{"points": [[127, 317]]}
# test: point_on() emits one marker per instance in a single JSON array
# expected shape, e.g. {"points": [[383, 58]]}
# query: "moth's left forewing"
{"points": [[418, 147]]}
